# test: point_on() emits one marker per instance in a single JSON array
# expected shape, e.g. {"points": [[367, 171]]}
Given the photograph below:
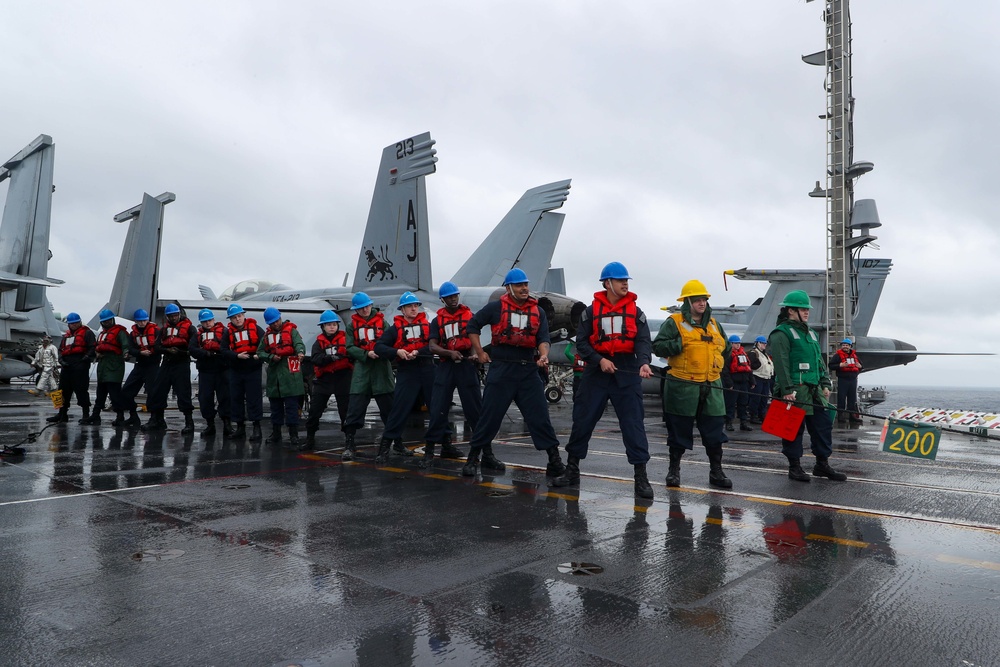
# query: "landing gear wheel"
{"points": [[553, 394]]}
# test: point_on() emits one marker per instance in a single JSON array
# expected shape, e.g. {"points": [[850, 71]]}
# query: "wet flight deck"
{"points": [[122, 548]]}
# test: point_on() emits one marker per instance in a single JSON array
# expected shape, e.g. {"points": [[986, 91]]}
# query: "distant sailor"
{"points": [[332, 370], [519, 332], [76, 353], [695, 346], [613, 340], [175, 371], [457, 369], [208, 347], [146, 362], [847, 366], [46, 360], [372, 375], [112, 344], [243, 336], [737, 378], [800, 376], [763, 377], [282, 350]]}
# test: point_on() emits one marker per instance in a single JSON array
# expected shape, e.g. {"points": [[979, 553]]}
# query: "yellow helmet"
{"points": [[694, 288]]}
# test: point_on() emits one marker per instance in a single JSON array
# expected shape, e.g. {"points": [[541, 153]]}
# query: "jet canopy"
{"points": [[250, 288]]}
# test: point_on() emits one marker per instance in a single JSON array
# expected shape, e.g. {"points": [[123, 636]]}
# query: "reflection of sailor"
{"points": [[142, 350], [695, 346], [282, 350], [372, 376], [208, 347], [112, 343], [613, 339], [332, 370], [800, 376], [450, 341], [46, 360], [243, 335], [76, 351], [847, 366]]}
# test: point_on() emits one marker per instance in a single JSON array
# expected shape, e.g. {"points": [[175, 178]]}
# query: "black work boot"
{"points": [[428, 455], [674, 471], [275, 437], [572, 475], [209, 430], [60, 417], [133, 420], [87, 417], [155, 422], [239, 430], [745, 425], [823, 469], [293, 438], [729, 425], [349, 451], [399, 449], [555, 467], [255, 433], [227, 427], [796, 472], [119, 419], [450, 451], [95, 416], [383, 451], [716, 477], [471, 466], [643, 489], [490, 461], [188, 428], [310, 438]]}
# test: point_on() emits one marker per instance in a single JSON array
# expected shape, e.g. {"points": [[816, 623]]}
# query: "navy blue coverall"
{"points": [[448, 376], [412, 377]]}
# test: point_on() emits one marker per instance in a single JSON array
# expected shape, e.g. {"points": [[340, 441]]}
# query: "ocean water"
{"points": [[977, 399]]}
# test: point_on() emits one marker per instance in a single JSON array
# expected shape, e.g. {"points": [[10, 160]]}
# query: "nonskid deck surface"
{"points": [[129, 549]]}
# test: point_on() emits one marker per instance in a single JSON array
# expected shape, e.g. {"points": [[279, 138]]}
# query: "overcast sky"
{"points": [[690, 131]]}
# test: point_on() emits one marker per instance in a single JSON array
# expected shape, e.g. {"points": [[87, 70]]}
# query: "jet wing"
{"points": [[13, 280]]}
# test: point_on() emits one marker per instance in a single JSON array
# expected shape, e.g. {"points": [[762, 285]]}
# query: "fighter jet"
{"points": [[394, 255], [25, 314]]}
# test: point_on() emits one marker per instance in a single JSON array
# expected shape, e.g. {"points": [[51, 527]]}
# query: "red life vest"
{"points": [[412, 336], [144, 338], [518, 325], [615, 326], [74, 342], [245, 340], [280, 344], [451, 328], [739, 360], [176, 335], [336, 347], [107, 340], [578, 363], [211, 339], [848, 362], [366, 332]]}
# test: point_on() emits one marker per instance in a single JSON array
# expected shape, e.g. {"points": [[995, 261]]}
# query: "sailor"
{"points": [[407, 342], [695, 346], [457, 369], [112, 344], [332, 370], [737, 379], [76, 353], [243, 336], [372, 376], [208, 349], [174, 374], [613, 339], [763, 374], [282, 350], [845, 362], [519, 349], [146, 362], [800, 376], [46, 360]]}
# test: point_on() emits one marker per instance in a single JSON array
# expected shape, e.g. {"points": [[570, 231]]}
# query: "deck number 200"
{"points": [[910, 439]]}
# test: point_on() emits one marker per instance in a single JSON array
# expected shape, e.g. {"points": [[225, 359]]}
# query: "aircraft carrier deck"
{"points": [[133, 549]]}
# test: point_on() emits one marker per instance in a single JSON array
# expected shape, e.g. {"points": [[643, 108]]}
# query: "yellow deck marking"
{"points": [[437, 476], [768, 500], [836, 540], [494, 485], [958, 560]]}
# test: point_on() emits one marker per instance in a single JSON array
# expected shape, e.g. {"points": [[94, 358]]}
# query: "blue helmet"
{"points": [[235, 309], [140, 316], [734, 339], [204, 315], [408, 298], [360, 300], [760, 339], [73, 318], [328, 316], [847, 341], [171, 309], [447, 289], [514, 277], [106, 314], [272, 315], [615, 270]]}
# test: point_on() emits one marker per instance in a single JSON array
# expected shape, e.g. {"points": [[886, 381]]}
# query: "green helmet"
{"points": [[796, 299]]}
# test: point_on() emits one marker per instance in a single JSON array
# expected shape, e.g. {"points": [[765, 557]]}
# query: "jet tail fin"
{"points": [[139, 268], [396, 248], [525, 238], [207, 293]]}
